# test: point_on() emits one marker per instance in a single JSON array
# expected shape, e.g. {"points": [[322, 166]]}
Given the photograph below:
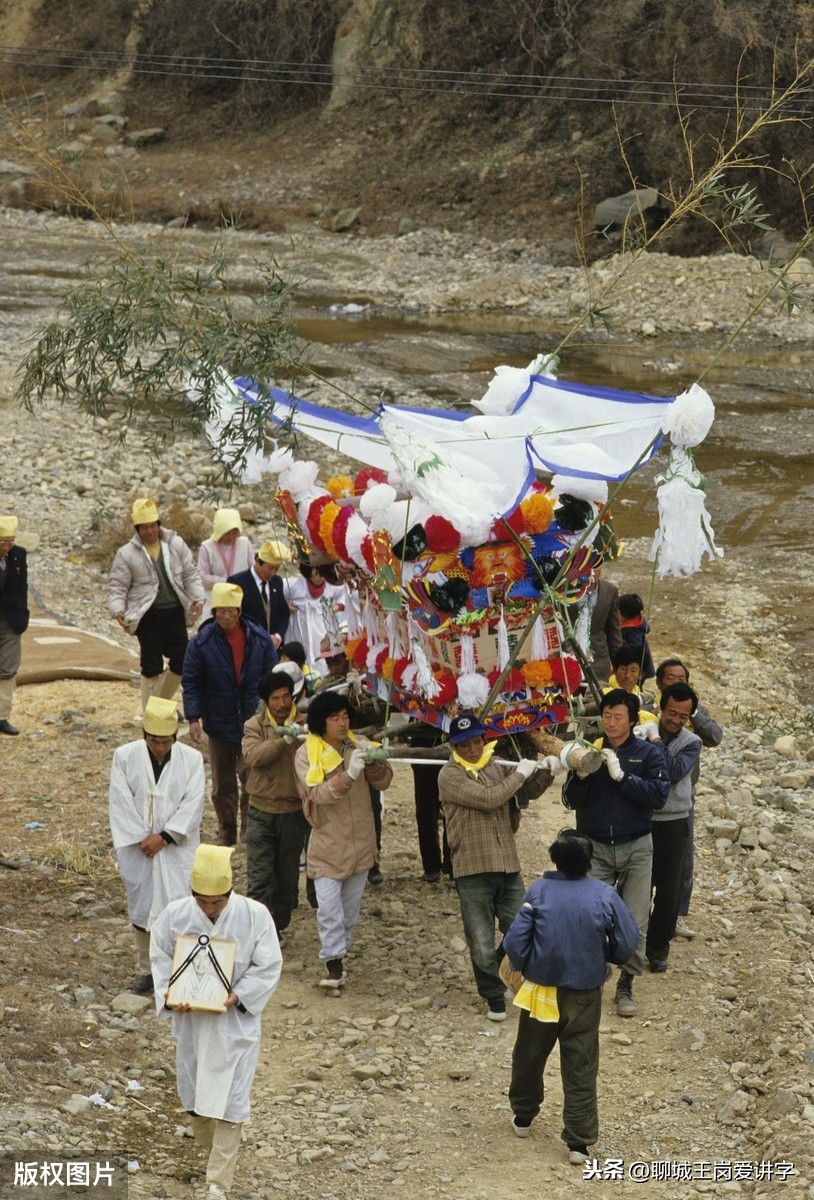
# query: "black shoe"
{"points": [[374, 875], [142, 985], [431, 876], [625, 1004], [657, 965], [7, 727]]}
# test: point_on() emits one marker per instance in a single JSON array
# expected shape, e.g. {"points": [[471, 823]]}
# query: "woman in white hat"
{"points": [[223, 554]]}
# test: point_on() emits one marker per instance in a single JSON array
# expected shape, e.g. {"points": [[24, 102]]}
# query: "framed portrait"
{"points": [[202, 969]]}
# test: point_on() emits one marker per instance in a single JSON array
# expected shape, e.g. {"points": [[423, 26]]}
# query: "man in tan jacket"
{"points": [[277, 825]]}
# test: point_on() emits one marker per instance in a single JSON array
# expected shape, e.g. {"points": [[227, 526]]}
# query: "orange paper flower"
{"points": [[538, 511], [326, 523], [537, 674]]}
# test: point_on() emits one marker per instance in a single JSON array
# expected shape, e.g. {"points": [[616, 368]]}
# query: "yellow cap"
{"points": [[227, 595], [211, 873], [144, 512], [224, 520], [274, 553], [160, 717], [8, 526]]}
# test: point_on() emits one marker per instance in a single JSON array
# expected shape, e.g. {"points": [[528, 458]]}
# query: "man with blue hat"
{"points": [[479, 799]]}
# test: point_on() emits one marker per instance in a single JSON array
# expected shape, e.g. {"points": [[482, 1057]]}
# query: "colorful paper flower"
{"points": [[537, 511], [366, 477]]}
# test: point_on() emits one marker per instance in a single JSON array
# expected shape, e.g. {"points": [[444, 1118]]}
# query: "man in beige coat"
{"points": [[154, 590], [334, 777]]}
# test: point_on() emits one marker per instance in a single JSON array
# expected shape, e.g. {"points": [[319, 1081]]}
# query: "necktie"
{"points": [[264, 592]]}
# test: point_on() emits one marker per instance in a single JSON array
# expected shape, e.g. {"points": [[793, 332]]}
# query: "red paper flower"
{"points": [[448, 685], [566, 672], [340, 528], [357, 651], [506, 526], [366, 477], [399, 667], [442, 536]]}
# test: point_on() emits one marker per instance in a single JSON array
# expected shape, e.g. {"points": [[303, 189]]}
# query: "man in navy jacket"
{"points": [[614, 808], [13, 616], [223, 665], [263, 596], [567, 930]]}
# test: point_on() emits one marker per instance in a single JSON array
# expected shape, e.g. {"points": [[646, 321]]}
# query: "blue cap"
{"points": [[464, 727]]}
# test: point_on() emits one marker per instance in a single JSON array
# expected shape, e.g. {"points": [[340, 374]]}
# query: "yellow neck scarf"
{"points": [[476, 767], [291, 719], [322, 758]]}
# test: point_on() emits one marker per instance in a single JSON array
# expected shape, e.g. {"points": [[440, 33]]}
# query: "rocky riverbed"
{"points": [[401, 1082]]}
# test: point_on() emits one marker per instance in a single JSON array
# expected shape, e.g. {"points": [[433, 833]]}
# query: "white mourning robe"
{"points": [[138, 806], [217, 1052], [307, 624]]}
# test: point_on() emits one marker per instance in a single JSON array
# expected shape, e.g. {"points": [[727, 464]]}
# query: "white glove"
{"points": [[614, 766], [290, 733], [648, 730], [552, 764], [356, 763], [526, 767]]}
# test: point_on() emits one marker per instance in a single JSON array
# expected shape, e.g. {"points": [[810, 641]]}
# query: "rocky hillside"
{"points": [[509, 114]]}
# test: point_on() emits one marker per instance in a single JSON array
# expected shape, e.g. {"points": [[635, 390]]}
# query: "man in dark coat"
{"points": [[606, 629], [223, 665], [13, 616], [263, 597]]}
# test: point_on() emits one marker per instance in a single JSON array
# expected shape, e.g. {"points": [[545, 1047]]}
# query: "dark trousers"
{"points": [[274, 843], [228, 767], [669, 851], [427, 815], [485, 898], [378, 808], [577, 1031], [162, 633], [689, 866]]}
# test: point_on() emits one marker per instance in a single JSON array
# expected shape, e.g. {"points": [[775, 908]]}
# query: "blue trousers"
{"points": [[486, 898]]}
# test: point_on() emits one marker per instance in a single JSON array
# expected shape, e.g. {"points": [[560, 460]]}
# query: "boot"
{"points": [[625, 1004]]}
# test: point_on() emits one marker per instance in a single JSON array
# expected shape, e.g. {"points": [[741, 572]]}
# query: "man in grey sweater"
{"points": [[671, 827]]}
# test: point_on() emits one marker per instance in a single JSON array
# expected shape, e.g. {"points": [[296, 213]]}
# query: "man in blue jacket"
{"points": [[566, 931], [223, 665], [614, 808]]}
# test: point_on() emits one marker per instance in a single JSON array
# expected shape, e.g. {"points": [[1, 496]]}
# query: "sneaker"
{"points": [[625, 1004], [334, 974], [374, 875], [431, 876], [521, 1126], [142, 985], [683, 930], [497, 1010], [216, 1192], [578, 1155], [657, 965]]}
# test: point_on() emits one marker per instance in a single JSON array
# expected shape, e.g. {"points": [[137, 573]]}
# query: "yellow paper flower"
{"points": [[339, 486], [326, 524]]}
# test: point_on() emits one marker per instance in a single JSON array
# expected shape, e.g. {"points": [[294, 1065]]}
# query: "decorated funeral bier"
{"points": [[469, 543]]}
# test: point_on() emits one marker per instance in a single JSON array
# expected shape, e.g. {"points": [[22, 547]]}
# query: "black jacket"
{"points": [[14, 590], [611, 812], [279, 616]]}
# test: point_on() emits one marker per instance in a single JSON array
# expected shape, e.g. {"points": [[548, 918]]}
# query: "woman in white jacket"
{"points": [[223, 554]]}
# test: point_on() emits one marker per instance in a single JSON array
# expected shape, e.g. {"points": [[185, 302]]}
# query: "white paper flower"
{"points": [[689, 418]]}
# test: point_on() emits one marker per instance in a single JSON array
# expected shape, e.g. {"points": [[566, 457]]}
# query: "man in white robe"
{"points": [[156, 804], [217, 1053]]}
